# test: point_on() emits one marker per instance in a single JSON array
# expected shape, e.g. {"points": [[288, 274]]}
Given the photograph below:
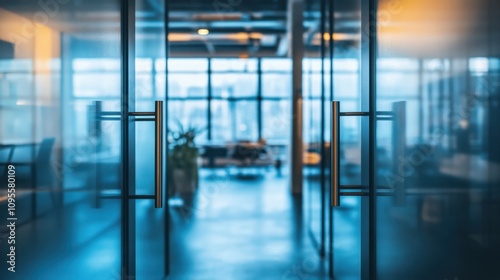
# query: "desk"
{"points": [[237, 154]]}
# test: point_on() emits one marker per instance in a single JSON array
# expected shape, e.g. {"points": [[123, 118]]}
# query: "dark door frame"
{"points": [[127, 40]]}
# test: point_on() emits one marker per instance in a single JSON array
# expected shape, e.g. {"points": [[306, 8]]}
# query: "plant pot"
{"points": [[184, 181]]}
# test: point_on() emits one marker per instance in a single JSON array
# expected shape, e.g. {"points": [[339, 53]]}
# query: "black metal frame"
{"points": [[209, 100], [322, 131], [368, 269], [259, 98], [166, 221], [127, 13], [331, 42]]}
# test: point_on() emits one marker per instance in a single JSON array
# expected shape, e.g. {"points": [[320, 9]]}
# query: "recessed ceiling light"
{"points": [[203, 31]]}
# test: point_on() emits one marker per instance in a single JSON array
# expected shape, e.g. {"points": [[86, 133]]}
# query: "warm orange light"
{"points": [[340, 36]]}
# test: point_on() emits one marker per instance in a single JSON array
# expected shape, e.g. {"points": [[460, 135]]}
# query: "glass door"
{"points": [[438, 76], [82, 145], [349, 134], [313, 123], [423, 202], [147, 151], [60, 206]]}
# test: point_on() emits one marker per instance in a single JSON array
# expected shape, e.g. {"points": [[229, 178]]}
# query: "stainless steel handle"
{"points": [[398, 117], [399, 147], [139, 116], [97, 107], [158, 153], [335, 154], [158, 119]]}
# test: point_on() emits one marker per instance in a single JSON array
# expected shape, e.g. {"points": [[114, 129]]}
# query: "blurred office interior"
{"points": [[232, 139]]}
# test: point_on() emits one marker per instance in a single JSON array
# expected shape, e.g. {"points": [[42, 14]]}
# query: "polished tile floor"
{"points": [[242, 228]]}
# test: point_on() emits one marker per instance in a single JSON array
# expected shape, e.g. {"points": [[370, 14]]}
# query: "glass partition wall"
{"points": [[73, 75], [313, 91], [48, 140], [346, 75], [439, 78], [415, 191]]}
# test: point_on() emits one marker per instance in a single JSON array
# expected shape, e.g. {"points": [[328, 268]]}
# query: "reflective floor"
{"points": [[237, 228], [234, 228], [54, 245]]}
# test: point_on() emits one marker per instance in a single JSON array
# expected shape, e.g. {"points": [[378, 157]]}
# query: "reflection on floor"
{"points": [[78, 242], [347, 225], [242, 229], [247, 227]]}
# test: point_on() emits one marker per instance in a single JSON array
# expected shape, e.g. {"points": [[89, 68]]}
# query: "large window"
{"points": [[188, 93], [234, 120], [230, 99], [276, 101], [234, 99], [235, 88]]}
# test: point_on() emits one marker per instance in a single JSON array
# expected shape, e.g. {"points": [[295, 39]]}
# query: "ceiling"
{"points": [[247, 28], [236, 27]]}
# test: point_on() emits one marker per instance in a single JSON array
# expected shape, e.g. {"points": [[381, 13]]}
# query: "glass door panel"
{"points": [[347, 238], [151, 234], [313, 123], [345, 221], [441, 160], [431, 164], [53, 147]]}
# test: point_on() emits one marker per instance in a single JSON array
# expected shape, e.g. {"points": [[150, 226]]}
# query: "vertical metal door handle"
{"points": [[98, 136], [158, 119], [335, 154], [158, 153], [399, 147]]}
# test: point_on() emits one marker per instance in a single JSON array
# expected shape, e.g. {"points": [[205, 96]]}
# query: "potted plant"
{"points": [[183, 161]]}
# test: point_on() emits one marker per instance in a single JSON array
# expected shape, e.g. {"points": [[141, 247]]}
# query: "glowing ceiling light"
{"points": [[203, 31]]}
